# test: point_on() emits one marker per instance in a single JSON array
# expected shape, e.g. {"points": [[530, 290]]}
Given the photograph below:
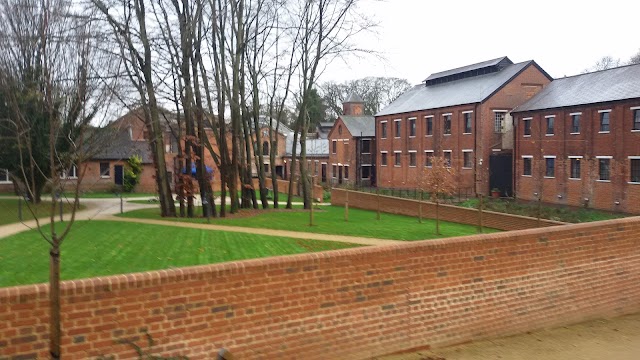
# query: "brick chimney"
{"points": [[353, 106]]}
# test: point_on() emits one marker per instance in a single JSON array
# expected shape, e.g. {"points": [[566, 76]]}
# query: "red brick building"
{"points": [[352, 144], [578, 141], [461, 114]]}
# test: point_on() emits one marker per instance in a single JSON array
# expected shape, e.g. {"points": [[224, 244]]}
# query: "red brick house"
{"points": [[352, 141], [461, 114], [578, 141]]}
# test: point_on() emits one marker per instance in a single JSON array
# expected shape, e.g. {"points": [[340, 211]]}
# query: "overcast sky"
{"points": [[419, 37]]}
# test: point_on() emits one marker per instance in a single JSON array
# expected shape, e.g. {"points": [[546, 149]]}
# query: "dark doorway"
{"points": [[324, 173], [500, 173], [280, 171], [339, 174], [118, 174]]}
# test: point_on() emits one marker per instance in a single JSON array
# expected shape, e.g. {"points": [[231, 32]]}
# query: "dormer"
{"points": [[482, 68]]}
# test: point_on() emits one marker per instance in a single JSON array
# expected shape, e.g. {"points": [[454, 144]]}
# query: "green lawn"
{"points": [[97, 248], [557, 213], [9, 210], [330, 220]]}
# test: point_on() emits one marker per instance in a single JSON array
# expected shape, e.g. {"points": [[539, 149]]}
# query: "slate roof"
{"points": [[315, 147], [360, 125], [467, 68], [118, 146], [354, 98], [601, 86], [458, 92]]}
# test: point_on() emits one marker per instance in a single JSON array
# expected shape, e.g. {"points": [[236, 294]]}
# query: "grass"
{"points": [[99, 248], [9, 212], [557, 213], [330, 220]]}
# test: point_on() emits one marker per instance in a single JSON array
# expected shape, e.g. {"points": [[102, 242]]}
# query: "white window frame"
{"points": [[345, 172], [415, 124], [604, 157], [545, 166], [394, 158], [450, 157], [426, 156], [530, 119], [65, 175], [413, 152], [572, 115], [396, 127], [546, 125], [463, 152], [387, 134], [633, 113], [102, 176], [504, 117], [600, 121], [527, 157], [463, 125], [426, 127], [444, 116], [387, 153], [571, 158], [5, 179], [629, 158]]}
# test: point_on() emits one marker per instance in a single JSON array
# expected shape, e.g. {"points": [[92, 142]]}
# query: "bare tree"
{"points": [[635, 59], [604, 63], [54, 85], [439, 182]]}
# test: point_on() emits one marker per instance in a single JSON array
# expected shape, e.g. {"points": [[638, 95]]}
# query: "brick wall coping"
{"points": [[25, 293]]}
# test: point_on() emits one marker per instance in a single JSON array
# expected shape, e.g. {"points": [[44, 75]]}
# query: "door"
{"points": [[324, 173], [118, 174], [500, 173]]}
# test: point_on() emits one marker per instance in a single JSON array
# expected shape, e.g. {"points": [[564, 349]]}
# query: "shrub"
{"points": [[132, 173]]}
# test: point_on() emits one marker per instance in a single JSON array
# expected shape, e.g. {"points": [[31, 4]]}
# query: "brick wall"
{"points": [[283, 188], [345, 304], [452, 213]]}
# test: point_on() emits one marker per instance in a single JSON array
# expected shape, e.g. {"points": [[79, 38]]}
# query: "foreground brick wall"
{"points": [[457, 214], [344, 304]]}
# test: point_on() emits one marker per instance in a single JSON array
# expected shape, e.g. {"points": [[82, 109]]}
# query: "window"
{"points": [[398, 128], [104, 169], [429, 127], [397, 161], [604, 121], [498, 121], [346, 172], [604, 169], [72, 173], [4, 176], [366, 172], [315, 167], [447, 158], [636, 120], [413, 159], [447, 124], [575, 123], [335, 171], [428, 158], [467, 122], [526, 165], [634, 169], [340, 130], [467, 159], [527, 126], [550, 123], [334, 146], [383, 158], [366, 146], [383, 129], [575, 168], [550, 167], [412, 127], [265, 148]]}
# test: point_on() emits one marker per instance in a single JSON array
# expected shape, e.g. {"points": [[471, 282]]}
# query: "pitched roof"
{"points": [[360, 125], [469, 68], [120, 147], [354, 98], [596, 87], [457, 92], [315, 147]]}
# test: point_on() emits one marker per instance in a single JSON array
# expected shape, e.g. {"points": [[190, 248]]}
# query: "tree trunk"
{"points": [[54, 299]]}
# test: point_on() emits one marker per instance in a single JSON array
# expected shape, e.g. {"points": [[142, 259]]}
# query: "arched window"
{"points": [[265, 148]]}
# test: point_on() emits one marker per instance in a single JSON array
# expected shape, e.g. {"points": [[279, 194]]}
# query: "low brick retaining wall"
{"points": [[345, 304], [394, 205]]}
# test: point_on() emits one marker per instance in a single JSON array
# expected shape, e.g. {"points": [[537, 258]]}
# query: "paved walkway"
{"points": [[105, 209]]}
